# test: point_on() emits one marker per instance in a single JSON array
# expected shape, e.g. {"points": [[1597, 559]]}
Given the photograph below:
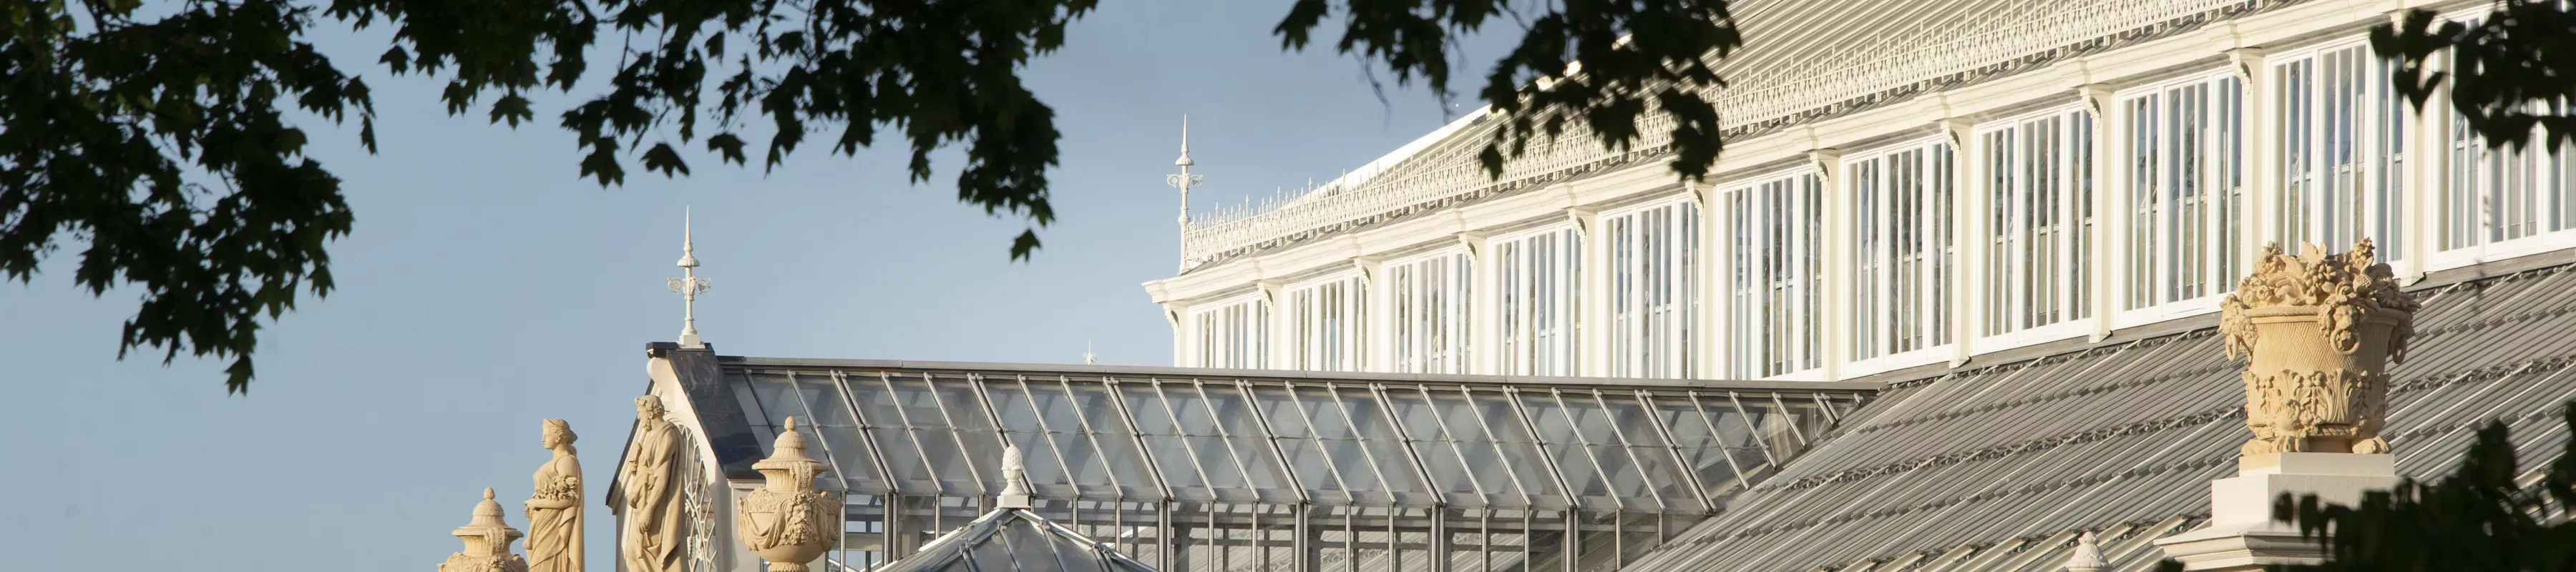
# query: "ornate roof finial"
{"points": [[1015, 481], [1184, 180], [688, 286], [2087, 556]]}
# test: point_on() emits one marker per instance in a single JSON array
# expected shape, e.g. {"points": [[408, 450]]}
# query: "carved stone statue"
{"points": [[554, 511], [2317, 332], [649, 485], [487, 542], [789, 522]]}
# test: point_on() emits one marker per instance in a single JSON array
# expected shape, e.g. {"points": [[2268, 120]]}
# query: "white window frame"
{"points": [[1901, 305], [1232, 332], [1427, 307], [2464, 215], [2336, 177], [1654, 272], [1777, 225], [1535, 274], [1327, 322], [2007, 317], [2189, 253]]}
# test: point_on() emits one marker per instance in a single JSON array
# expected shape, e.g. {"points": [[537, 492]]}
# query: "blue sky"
{"points": [[487, 287]]}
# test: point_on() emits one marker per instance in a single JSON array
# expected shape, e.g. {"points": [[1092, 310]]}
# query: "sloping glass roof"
{"points": [[1201, 469], [1239, 436], [1014, 540], [1997, 469]]}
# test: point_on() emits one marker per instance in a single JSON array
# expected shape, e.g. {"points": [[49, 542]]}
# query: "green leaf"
{"points": [[512, 108], [662, 158], [728, 145]]}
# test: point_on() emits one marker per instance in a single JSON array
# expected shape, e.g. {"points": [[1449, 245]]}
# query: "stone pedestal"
{"points": [[2241, 535]]}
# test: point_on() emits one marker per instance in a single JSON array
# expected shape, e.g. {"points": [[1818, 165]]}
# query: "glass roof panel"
{"points": [[1013, 540], [829, 414], [1011, 406], [1499, 445]]}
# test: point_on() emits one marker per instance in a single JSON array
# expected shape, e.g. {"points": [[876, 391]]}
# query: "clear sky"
{"points": [[486, 288]]}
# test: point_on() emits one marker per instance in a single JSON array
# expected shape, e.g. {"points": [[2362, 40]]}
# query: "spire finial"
{"points": [[689, 284], [1184, 181], [1089, 358]]}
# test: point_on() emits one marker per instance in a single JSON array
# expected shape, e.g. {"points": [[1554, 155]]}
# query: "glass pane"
{"points": [[1689, 428], [1358, 471], [1446, 472], [1281, 411], [1307, 459], [838, 430], [1499, 473], [775, 398], [1146, 409], [1234, 413], [910, 473], [963, 407], [1216, 460], [1632, 421], [1414, 413], [1190, 409], [1174, 459], [1324, 413], [1012, 406], [1260, 466], [1056, 409], [1625, 478], [1033, 550], [1080, 458]]}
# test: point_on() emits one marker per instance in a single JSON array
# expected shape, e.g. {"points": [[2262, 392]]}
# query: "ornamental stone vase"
{"points": [[487, 542], [2317, 332], [789, 522]]}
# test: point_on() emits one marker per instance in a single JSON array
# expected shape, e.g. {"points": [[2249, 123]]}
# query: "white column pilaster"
{"points": [[1184, 342], [1705, 346], [1276, 346], [1375, 333], [1592, 337], [2099, 280], [1833, 329], [1483, 332], [2428, 153], [1967, 206], [2262, 170]]}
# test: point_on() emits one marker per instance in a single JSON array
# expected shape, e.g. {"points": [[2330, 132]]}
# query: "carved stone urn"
{"points": [[2317, 332], [487, 542], [789, 522]]}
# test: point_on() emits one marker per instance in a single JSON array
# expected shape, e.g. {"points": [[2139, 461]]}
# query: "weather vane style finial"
{"points": [[688, 286], [1184, 180]]}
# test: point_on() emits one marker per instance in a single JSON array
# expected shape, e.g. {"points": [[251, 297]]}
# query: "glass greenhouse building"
{"points": [[1195, 469]]}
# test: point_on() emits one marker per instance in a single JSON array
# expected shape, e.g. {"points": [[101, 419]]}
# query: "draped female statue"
{"points": [[554, 512], [649, 486]]}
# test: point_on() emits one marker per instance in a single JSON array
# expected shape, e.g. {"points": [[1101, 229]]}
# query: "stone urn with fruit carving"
{"points": [[2317, 332], [789, 522]]}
